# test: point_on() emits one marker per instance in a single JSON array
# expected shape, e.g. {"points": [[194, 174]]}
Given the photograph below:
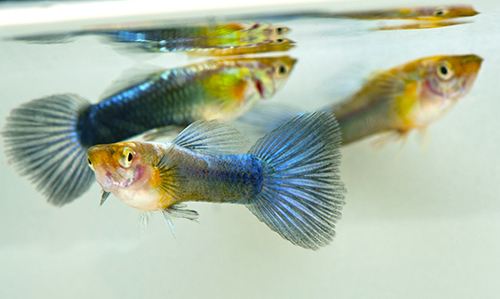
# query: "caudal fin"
{"points": [[43, 143], [302, 194]]}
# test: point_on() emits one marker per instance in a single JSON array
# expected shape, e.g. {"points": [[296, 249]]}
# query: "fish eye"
{"points": [[282, 70], [127, 158], [444, 71], [280, 40], [279, 30], [439, 12], [90, 163]]}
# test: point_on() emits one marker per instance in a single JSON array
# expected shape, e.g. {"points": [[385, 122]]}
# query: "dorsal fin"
{"points": [[129, 78], [211, 136], [381, 91]]}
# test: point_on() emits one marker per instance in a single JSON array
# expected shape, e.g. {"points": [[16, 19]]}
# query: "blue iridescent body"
{"points": [[218, 177], [156, 102]]}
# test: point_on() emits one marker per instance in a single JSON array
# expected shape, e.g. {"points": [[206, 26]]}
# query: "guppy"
{"points": [[47, 138], [424, 13], [409, 96], [289, 179], [202, 39]]}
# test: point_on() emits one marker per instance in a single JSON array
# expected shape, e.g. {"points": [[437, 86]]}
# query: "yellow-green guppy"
{"points": [[289, 179], [47, 138]]}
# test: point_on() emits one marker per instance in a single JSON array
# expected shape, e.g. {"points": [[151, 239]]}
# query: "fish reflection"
{"points": [[425, 13], [280, 44], [422, 25], [47, 138], [289, 179], [216, 40], [408, 97]]}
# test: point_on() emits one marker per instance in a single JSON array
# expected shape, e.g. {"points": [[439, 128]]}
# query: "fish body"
{"points": [[220, 40], [205, 176], [215, 89], [47, 138], [289, 178], [407, 97]]}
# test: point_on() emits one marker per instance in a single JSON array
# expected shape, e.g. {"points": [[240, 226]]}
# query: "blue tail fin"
{"points": [[302, 194], [42, 140]]}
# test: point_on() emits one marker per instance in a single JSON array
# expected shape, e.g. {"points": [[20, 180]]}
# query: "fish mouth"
{"points": [[461, 88], [471, 64], [110, 180], [117, 180]]}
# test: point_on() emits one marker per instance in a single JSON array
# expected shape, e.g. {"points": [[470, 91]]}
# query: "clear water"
{"points": [[415, 225]]}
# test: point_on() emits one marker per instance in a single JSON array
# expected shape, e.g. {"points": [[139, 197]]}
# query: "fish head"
{"points": [[452, 11], [451, 77], [443, 12], [278, 31], [444, 80], [120, 166], [276, 73], [240, 83], [266, 31]]}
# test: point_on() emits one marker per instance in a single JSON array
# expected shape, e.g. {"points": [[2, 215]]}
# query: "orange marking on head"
{"points": [[239, 90]]}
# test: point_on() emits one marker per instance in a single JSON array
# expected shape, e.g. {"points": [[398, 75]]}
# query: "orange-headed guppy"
{"points": [[409, 96], [425, 13], [47, 138], [289, 179]]}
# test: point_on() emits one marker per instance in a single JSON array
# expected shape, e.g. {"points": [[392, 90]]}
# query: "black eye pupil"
{"points": [[444, 70], [439, 13], [279, 30], [90, 162], [129, 157], [282, 69], [279, 40]]}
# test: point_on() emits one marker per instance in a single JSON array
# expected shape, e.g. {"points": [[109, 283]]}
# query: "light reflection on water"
{"points": [[415, 225]]}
